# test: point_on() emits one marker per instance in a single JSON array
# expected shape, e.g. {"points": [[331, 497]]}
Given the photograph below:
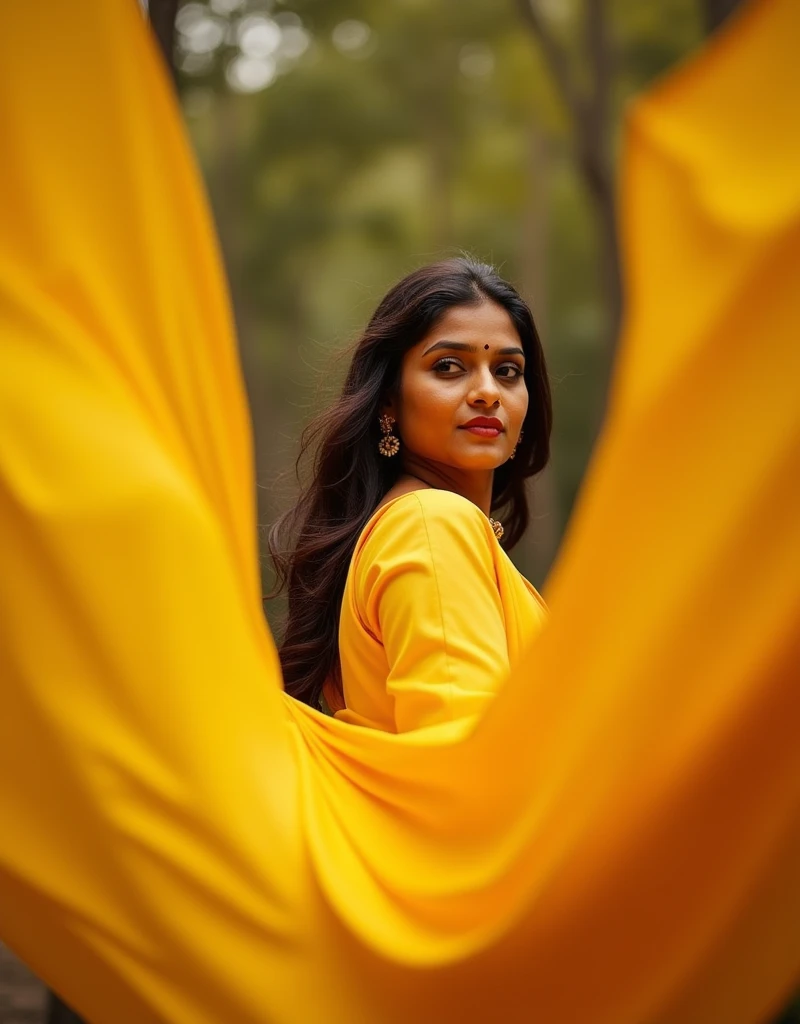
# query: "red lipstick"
{"points": [[484, 426]]}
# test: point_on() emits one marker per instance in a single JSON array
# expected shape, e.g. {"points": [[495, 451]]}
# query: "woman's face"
{"points": [[468, 368]]}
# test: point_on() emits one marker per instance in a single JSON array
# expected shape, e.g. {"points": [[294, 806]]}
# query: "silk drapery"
{"points": [[619, 839]]}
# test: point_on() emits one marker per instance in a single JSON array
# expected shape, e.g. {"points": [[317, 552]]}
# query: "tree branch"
{"points": [[556, 57]]}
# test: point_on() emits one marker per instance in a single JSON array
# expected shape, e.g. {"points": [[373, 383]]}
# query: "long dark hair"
{"points": [[312, 544]]}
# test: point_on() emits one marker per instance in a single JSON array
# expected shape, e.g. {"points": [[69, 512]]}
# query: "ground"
{"points": [[22, 995]]}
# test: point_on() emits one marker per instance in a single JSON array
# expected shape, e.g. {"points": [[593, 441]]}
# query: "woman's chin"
{"points": [[478, 461]]}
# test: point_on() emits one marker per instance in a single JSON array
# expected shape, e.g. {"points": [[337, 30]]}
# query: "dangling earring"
{"points": [[519, 439], [388, 445]]}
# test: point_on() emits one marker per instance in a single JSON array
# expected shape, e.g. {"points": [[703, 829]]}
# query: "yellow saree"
{"points": [[618, 839]]}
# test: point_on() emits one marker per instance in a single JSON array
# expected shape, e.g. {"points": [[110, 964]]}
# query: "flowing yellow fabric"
{"points": [[618, 838], [433, 613]]}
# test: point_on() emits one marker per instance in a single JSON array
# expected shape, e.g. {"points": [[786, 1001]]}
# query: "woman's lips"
{"points": [[484, 431]]}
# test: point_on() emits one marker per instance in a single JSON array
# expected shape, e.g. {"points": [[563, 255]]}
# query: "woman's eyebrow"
{"points": [[462, 346]]}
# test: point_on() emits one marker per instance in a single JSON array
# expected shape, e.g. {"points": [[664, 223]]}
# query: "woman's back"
{"points": [[433, 614]]}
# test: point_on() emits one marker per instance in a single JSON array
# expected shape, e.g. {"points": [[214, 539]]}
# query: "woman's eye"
{"points": [[443, 366], [448, 367]]}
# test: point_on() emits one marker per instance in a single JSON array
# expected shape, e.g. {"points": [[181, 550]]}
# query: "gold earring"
{"points": [[388, 445], [514, 452]]}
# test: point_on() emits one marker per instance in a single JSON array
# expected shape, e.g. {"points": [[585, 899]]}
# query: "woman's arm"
{"points": [[427, 587]]}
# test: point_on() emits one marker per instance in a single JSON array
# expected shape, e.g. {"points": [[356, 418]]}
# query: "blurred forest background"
{"points": [[345, 142]]}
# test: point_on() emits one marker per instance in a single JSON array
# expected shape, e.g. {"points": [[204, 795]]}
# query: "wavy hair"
{"points": [[311, 544]]}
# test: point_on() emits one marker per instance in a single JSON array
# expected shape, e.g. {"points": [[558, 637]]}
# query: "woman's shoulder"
{"points": [[429, 504], [424, 517]]}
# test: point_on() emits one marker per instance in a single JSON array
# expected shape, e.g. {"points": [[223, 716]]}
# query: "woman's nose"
{"points": [[485, 390]]}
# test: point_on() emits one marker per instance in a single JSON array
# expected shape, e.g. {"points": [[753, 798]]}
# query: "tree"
{"points": [[587, 99], [162, 18], [588, 108]]}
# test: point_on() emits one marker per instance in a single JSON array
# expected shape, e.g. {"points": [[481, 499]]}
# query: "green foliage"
{"points": [[405, 130]]}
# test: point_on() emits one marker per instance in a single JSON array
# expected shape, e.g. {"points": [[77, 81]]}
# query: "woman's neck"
{"points": [[475, 486]]}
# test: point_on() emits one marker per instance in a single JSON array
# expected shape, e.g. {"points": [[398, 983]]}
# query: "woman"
{"points": [[444, 414], [618, 839]]}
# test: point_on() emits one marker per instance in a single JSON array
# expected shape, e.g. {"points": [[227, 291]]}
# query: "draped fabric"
{"points": [[618, 838]]}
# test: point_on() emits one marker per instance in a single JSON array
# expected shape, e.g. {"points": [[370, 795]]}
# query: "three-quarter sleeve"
{"points": [[427, 591]]}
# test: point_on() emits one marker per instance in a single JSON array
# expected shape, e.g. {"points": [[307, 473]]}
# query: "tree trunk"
{"points": [[162, 18], [716, 11], [60, 1013], [435, 106], [588, 109], [541, 540]]}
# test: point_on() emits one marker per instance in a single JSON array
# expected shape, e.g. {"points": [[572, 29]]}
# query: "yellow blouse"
{"points": [[617, 838], [434, 611]]}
